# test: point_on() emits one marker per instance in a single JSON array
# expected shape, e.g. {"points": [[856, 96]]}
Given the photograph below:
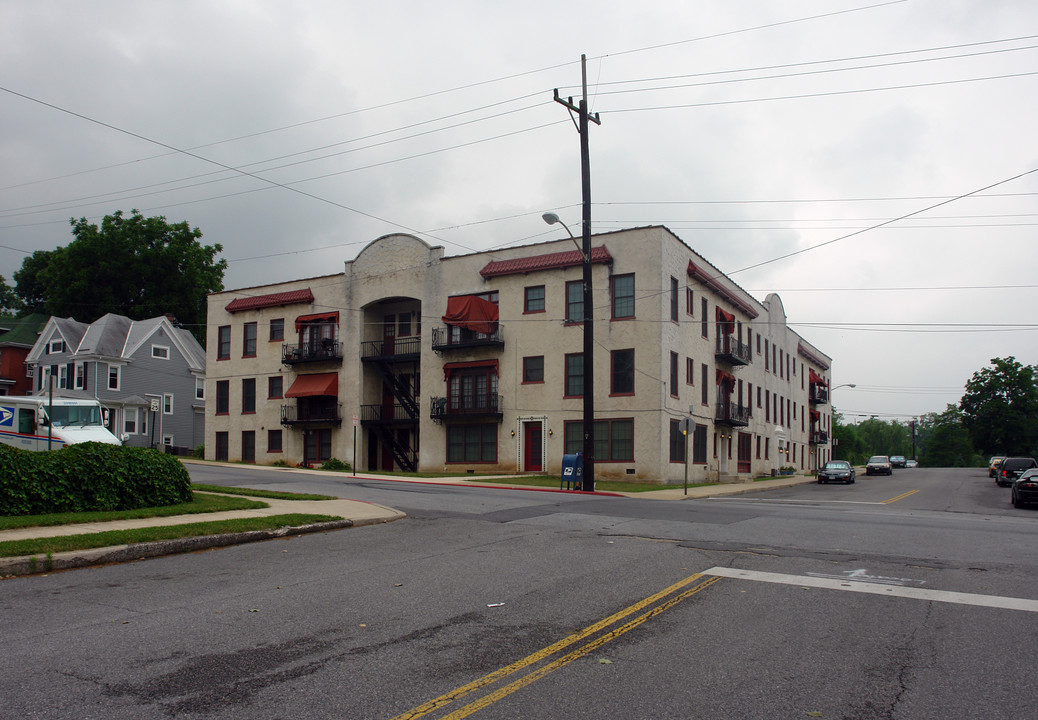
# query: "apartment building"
{"points": [[413, 360]]}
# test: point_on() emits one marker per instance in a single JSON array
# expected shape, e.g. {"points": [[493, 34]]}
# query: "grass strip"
{"points": [[269, 494], [603, 485], [66, 543]]}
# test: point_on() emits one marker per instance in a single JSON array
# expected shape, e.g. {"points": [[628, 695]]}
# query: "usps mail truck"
{"points": [[38, 423]]}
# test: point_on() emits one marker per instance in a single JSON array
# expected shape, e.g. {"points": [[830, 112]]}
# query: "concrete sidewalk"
{"points": [[353, 513]]}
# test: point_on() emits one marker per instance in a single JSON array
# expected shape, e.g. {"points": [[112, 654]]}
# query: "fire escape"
{"points": [[396, 362]]}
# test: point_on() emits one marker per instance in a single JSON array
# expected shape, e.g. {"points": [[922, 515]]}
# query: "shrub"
{"points": [[336, 465], [89, 477]]}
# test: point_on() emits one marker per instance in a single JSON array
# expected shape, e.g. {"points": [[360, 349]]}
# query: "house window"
{"points": [[674, 299], [690, 371], [277, 329], [167, 440], [533, 369], [690, 303], [63, 381], [56, 346], [248, 395], [614, 439], [80, 376], [704, 322], [622, 293], [275, 387], [703, 387], [249, 340], [474, 390], [699, 445], [575, 301], [130, 421], [758, 343], [677, 442], [199, 388], [223, 397], [113, 377], [223, 342], [248, 446], [167, 404], [767, 360], [273, 441], [574, 375], [472, 443], [673, 374], [221, 446], [160, 351], [622, 375], [533, 301]]}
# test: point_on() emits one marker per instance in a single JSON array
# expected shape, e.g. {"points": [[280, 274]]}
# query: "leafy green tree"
{"points": [[8, 300], [1000, 408], [948, 442], [28, 286], [134, 266]]}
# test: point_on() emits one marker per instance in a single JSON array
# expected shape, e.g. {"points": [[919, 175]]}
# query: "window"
{"points": [[699, 445], [472, 443], [167, 404], [81, 376], [474, 389], [277, 329], [248, 446], [622, 293], [673, 374], [275, 387], [56, 346], [533, 301], [221, 446], [758, 395], [758, 343], [674, 299], [690, 371], [767, 406], [223, 342], [614, 439], [273, 441], [767, 448], [113, 377], [167, 440], [199, 388], [677, 442], [690, 304], [703, 318], [248, 395], [160, 351], [130, 421], [533, 369], [249, 340], [767, 362], [758, 447], [622, 375], [575, 301], [703, 387], [63, 381], [223, 397], [574, 375]]}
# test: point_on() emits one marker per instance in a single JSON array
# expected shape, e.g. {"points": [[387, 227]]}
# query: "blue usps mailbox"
{"points": [[572, 472]]}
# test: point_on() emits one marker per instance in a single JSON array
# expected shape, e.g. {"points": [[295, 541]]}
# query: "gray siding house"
{"points": [[148, 375]]}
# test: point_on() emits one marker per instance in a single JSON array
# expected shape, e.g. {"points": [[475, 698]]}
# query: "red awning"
{"points": [[725, 321], [450, 368], [472, 313], [814, 378], [316, 384], [329, 318], [724, 377], [815, 415]]}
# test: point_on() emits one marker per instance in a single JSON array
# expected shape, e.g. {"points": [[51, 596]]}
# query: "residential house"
{"points": [[17, 336], [412, 360], [148, 374]]}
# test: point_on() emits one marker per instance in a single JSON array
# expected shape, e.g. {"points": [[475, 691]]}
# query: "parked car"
{"points": [[911, 463], [1011, 468], [879, 465], [836, 470], [897, 461], [993, 464], [1025, 488]]}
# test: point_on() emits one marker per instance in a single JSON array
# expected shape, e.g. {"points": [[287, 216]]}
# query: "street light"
{"points": [[850, 385], [587, 481]]}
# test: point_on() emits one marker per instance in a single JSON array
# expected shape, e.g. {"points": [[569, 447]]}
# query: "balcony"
{"points": [[387, 415], [325, 350], [732, 350], [466, 406], [311, 413], [453, 337], [818, 394], [818, 437], [392, 349], [731, 413]]}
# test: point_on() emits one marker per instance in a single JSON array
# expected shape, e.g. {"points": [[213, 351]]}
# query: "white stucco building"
{"points": [[413, 360]]}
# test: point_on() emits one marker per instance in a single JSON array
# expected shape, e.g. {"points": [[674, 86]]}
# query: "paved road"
{"points": [[904, 597]]}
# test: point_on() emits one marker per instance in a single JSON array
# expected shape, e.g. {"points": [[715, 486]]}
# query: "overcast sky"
{"points": [[874, 163]]}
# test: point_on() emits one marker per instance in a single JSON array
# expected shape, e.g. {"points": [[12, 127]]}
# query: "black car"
{"points": [[840, 470], [897, 461], [1025, 488], [1011, 468]]}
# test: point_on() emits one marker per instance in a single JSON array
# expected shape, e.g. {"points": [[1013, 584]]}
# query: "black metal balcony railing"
{"points": [[452, 337], [391, 348], [386, 414], [314, 351], [732, 413], [488, 404], [818, 437], [732, 350], [307, 415], [818, 394]]}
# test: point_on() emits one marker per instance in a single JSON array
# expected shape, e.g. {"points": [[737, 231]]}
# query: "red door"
{"points": [[744, 452], [533, 447]]}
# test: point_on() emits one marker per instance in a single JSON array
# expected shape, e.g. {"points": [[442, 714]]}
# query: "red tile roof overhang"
{"points": [[537, 263], [697, 273], [258, 302]]}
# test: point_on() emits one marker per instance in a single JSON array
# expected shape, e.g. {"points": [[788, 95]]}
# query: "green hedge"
{"points": [[89, 477]]}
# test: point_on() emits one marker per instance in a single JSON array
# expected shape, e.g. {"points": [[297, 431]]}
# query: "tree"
{"points": [[8, 300], [134, 266], [1000, 408], [947, 441], [29, 286]]}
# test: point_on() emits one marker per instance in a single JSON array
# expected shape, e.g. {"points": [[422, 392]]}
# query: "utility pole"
{"points": [[588, 481]]}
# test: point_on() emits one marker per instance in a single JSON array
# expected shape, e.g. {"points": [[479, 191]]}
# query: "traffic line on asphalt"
{"points": [[530, 660], [902, 496], [913, 593]]}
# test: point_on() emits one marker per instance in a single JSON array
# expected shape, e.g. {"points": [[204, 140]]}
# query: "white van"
{"points": [[37, 423]]}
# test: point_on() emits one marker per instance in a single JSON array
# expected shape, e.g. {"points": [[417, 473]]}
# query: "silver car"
{"points": [[879, 465]]}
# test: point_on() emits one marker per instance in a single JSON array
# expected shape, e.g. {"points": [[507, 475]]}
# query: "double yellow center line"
{"points": [[902, 496], [595, 635]]}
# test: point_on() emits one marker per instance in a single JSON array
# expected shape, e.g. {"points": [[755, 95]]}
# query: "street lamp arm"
{"points": [[551, 218]]}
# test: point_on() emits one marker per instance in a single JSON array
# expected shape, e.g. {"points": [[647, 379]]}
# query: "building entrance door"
{"points": [[533, 447], [744, 452]]}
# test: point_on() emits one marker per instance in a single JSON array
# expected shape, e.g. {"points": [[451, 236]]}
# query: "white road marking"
{"points": [[992, 601]]}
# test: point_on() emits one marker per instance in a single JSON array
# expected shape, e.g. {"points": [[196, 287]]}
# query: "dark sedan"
{"points": [[836, 470], [1025, 488]]}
